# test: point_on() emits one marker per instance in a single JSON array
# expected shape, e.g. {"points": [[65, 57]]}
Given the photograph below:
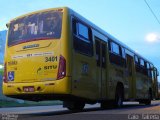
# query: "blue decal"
{"points": [[11, 76]]}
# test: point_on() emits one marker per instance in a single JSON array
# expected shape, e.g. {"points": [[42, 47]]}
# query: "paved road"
{"points": [[131, 110]]}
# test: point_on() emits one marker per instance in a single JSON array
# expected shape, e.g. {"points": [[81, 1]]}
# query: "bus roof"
{"points": [[38, 11]]}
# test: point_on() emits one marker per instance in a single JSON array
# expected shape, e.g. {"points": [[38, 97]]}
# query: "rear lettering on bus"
{"points": [[50, 67], [51, 59]]}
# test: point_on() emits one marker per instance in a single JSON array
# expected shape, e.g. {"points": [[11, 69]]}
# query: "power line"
{"points": [[152, 11]]}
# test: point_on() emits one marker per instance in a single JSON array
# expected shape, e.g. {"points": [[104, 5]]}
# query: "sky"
{"points": [[130, 21]]}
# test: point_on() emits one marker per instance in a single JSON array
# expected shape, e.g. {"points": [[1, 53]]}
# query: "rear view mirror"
{"points": [[7, 25]]}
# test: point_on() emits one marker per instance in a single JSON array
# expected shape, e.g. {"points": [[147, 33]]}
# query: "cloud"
{"points": [[152, 37]]}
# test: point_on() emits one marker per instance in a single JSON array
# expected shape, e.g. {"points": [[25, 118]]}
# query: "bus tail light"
{"points": [[5, 73], [62, 68]]}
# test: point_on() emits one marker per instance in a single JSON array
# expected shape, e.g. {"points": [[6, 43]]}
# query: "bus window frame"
{"points": [[136, 59], [82, 37], [122, 60], [142, 64], [157, 72], [74, 32], [139, 67], [113, 50], [123, 52]]}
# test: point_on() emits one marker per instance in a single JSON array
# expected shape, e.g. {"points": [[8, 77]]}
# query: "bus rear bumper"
{"points": [[48, 88], [41, 97]]}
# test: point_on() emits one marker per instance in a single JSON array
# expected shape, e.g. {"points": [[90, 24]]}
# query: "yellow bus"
{"points": [[56, 54]]}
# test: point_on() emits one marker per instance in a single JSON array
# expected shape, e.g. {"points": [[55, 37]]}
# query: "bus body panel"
{"points": [[34, 65], [84, 78]]}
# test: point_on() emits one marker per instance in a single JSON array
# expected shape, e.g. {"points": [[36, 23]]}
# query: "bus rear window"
{"points": [[44, 25]]}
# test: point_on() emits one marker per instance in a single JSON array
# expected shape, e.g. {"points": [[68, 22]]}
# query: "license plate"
{"points": [[28, 89]]}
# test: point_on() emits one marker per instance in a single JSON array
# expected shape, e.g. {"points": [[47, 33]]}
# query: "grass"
{"points": [[10, 104], [42, 103], [28, 103]]}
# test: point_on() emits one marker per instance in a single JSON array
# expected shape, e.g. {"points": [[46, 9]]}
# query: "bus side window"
{"points": [[82, 38], [137, 64], [123, 53], [83, 32], [116, 55], [142, 62], [151, 66], [145, 68], [123, 56], [136, 59], [141, 66], [115, 48], [149, 70]]}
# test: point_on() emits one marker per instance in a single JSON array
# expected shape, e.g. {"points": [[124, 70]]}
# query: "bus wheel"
{"points": [[119, 97], [148, 101], [107, 104], [74, 105]]}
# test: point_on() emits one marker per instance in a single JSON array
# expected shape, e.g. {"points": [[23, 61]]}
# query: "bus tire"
{"points": [[74, 105], [148, 101], [119, 97], [107, 104]]}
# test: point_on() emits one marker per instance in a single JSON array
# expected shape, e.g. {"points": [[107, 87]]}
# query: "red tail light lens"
{"points": [[5, 73], [62, 68]]}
